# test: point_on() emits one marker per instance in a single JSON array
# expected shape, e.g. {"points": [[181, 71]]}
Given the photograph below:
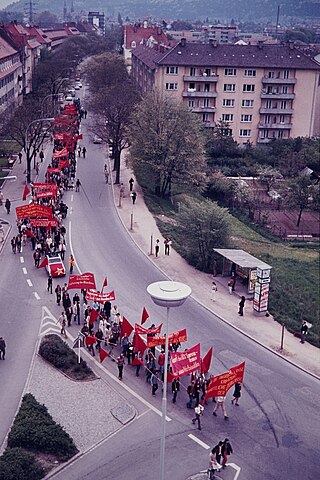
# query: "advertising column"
{"points": [[261, 291]]}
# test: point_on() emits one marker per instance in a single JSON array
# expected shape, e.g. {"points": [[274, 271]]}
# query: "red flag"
{"points": [[139, 344], [126, 327], [170, 377], [90, 340], [44, 263], [105, 283], [79, 137], [206, 361], [29, 233], [145, 316], [103, 354], [93, 316], [137, 361], [26, 192]]}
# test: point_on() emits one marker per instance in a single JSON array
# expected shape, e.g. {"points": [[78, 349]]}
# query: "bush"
{"points": [[16, 464], [35, 429], [60, 355]]}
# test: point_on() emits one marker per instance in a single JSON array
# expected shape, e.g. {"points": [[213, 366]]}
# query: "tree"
{"points": [[29, 130], [302, 194], [207, 226], [268, 176], [167, 139]]}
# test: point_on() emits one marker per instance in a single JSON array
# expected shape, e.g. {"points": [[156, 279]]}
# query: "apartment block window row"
{"points": [[172, 70], [228, 102], [6, 97], [230, 72], [247, 103], [4, 81], [250, 73], [245, 132], [171, 86], [248, 88], [227, 117], [229, 87], [246, 118], [279, 74]]}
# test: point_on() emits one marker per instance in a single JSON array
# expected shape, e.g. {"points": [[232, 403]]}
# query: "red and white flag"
{"points": [[44, 263], [145, 316]]}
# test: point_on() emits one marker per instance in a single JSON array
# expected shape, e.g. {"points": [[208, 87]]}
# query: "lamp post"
{"points": [[50, 119], [53, 95], [167, 294]]}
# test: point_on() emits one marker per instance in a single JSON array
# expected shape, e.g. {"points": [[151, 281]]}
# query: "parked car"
{"points": [[79, 84], [55, 266], [76, 87], [97, 139], [69, 98]]}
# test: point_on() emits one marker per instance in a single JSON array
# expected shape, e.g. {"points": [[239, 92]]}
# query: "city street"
{"points": [[273, 432]]}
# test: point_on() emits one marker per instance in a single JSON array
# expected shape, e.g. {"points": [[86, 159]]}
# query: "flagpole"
{"points": [[164, 402], [79, 343]]}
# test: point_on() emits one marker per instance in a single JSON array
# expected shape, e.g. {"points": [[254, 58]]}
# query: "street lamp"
{"points": [[53, 95], [167, 294], [50, 119]]}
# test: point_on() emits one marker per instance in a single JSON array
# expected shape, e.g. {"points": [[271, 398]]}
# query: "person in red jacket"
{"points": [[161, 360]]}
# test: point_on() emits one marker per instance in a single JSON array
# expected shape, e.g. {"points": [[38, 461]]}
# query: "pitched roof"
{"points": [[147, 55], [6, 50], [263, 56], [138, 34], [39, 34]]}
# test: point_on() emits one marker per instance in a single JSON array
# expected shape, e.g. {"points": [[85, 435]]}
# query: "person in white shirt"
{"points": [[199, 412], [220, 404]]}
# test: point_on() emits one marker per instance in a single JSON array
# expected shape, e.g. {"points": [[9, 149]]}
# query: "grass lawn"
{"points": [[294, 289]]}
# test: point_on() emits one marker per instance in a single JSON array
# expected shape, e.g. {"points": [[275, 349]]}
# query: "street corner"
{"points": [[124, 413]]}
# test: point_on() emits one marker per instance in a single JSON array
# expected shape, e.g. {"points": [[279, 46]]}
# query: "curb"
{"points": [[207, 308], [6, 236]]}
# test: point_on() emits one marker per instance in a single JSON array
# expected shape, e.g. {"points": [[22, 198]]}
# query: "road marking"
{"points": [[72, 198], [71, 211], [29, 282], [21, 260], [25, 270], [36, 295], [237, 469], [198, 441]]}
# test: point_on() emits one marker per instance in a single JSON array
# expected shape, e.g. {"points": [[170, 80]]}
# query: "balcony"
{"points": [[279, 81], [278, 126], [203, 109], [201, 94], [201, 78], [280, 111], [279, 96]]}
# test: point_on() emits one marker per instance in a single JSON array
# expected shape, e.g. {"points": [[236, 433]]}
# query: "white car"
{"points": [[79, 84], [69, 98], [76, 87], [96, 139]]}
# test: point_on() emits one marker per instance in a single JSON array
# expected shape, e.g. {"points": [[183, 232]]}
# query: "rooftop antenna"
{"points": [[65, 10]]}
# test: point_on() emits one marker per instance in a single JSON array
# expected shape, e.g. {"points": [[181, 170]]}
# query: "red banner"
{"points": [[84, 281], [63, 164], [145, 331], [53, 170], [60, 153], [219, 386], [33, 210], [176, 337], [40, 222], [44, 186], [46, 193], [186, 362], [100, 297]]}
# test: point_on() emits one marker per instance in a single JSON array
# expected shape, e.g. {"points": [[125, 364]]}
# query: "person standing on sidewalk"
{"points": [[58, 293], [303, 331], [78, 185], [131, 182], [241, 305], [84, 151], [120, 362], [20, 156], [157, 247], [199, 412], [225, 451], [41, 155], [230, 285], [2, 348], [214, 289], [220, 404], [8, 205]]}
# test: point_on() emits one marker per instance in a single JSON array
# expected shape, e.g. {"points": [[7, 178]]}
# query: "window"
{"points": [[247, 103], [133, 44], [205, 117], [192, 71], [286, 74], [227, 117], [248, 87], [280, 134], [207, 72], [230, 72], [206, 102], [245, 133], [206, 87], [284, 89], [271, 74], [282, 119], [228, 102], [172, 70], [267, 119], [171, 86], [192, 87], [191, 103], [229, 87], [249, 73], [226, 132], [246, 118], [283, 104]]}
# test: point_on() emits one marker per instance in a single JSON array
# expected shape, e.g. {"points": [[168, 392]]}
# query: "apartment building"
{"points": [[259, 92], [10, 80]]}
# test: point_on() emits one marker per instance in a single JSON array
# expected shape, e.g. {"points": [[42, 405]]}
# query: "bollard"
{"points": [[282, 337], [131, 221]]}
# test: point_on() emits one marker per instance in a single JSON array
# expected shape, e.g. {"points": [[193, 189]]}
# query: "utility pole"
{"points": [[30, 11]]}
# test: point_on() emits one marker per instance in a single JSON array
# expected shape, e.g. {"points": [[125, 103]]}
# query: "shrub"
{"points": [[16, 464], [35, 429], [60, 355]]}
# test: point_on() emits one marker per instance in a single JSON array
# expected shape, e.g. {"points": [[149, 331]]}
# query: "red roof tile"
{"points": [[137, 34]]}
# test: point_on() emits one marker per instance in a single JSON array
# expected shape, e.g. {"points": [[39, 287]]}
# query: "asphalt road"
{"points": [[274, 431]]}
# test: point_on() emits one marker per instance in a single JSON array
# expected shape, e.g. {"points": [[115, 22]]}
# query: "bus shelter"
{"points": [[252, 272]]}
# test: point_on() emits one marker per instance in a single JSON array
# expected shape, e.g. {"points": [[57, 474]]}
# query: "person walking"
{"points": [[154, 383], [13, 245], [120, 362], [241, 305], [303, 331], [49, 285], [213, 464], [84, 151], [63, 322], [226, 450], [157, 247], [41, 155], [175, 385], [8, 205], [230, 285], [58, 294], [2, 348], [71, 263], [236, 393], [214, 289], [198, 412], [131, 182], [78, 185], [167, 244], [20, 157], [133, 197], [220, 404], [217, 453], [79, 151]]}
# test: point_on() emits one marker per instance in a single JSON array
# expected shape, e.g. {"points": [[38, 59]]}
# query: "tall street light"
{"points": [[167, 294], [50, 119]]}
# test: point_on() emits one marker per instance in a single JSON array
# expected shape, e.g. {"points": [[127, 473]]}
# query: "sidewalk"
{"points": [[263, 330]]}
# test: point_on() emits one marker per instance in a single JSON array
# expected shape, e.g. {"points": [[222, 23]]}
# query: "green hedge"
{"points": [[35, 429], [60, 355], [16, 464]]}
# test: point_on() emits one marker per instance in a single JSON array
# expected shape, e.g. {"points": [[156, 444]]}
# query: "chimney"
{"points": [[291, 45], [183, 42], [260, 44]]}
